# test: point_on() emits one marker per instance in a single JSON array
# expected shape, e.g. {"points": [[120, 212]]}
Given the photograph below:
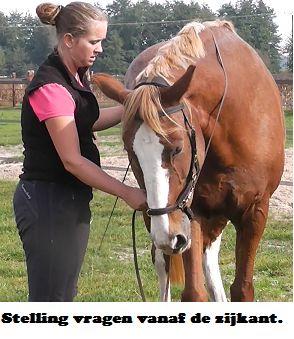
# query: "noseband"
{"points": [[194, 170]]}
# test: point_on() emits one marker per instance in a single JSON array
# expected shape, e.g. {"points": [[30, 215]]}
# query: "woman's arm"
{"points": [[108, 117], [64, 135]]}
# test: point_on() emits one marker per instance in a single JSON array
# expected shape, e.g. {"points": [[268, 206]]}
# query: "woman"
{"points": [[61, 163]]}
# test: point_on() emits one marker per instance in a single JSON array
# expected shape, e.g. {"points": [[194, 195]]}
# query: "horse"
{"points": [[204, 131]]}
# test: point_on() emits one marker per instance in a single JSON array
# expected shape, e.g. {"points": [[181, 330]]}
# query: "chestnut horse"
{"points": [[233, 106]]}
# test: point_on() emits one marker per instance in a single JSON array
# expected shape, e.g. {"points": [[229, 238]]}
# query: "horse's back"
{"points": [[252, 118], [139, 63]]}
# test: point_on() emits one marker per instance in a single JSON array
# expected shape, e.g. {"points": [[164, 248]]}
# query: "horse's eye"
{"points": [[176, 151]]}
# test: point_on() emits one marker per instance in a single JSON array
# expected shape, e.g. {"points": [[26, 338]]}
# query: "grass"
{"points": [[108, 274], [10, 132], [109, 142], [289, 128], [10, 129]]}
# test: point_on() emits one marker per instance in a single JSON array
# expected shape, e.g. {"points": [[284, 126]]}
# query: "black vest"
{"points": [[41, 161]]}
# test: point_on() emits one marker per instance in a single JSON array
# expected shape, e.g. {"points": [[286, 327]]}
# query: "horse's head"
{"points": [[160, 147]]}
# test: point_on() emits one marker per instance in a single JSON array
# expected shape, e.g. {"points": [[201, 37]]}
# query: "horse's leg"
{"points": [[249, 233], [212, 232], [194, 283], [161, 264], [214, 284]]}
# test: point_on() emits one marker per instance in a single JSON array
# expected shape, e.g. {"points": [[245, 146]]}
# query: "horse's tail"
{"points": [[176, 270]]}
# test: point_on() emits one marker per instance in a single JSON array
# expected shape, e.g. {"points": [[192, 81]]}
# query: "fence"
{"points": [[12, 91], [285, 84]]}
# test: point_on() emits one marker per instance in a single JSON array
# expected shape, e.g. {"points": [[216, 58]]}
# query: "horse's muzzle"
{"points": [[177, 245]]}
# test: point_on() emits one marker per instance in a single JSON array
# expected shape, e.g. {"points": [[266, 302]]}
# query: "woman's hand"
{"points": [[135, 198]]}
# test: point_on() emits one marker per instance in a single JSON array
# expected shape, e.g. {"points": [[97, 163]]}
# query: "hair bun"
{"points": [[47, 13]]}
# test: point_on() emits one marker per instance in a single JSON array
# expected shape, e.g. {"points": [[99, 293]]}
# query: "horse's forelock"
{"points": [[144, 101]]}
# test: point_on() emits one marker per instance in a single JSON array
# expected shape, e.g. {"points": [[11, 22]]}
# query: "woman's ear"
{"points": [[174, 93], [111, 87], [68, 40]]}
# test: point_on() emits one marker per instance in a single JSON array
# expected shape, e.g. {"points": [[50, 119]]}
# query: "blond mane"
{"points": [[178, 53]]}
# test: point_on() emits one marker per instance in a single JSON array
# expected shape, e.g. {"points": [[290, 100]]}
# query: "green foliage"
{"points": [[16, 60], [289, 51], [25, 43], [253, 21], [41, 44], [113, 59], [138, 24], [2, 58]]}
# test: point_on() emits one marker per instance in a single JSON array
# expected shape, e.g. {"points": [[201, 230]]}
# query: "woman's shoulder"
{"points": [[51, 100]]}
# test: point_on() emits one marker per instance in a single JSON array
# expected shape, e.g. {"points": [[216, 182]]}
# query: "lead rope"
{"points": [[133, 240], [167, 285], [113, 208], [136, 257]]}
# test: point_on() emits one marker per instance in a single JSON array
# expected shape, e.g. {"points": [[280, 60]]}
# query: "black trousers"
{"points": [[53, 222]]}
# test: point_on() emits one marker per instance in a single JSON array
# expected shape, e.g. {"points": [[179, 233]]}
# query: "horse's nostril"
{"points": [[180, 242]]}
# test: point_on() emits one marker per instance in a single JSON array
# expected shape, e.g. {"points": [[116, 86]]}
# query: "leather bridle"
{"points": [[194, 171], [182, 202]]}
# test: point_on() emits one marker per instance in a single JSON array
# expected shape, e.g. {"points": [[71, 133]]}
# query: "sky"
{"points": [[283, 9]]}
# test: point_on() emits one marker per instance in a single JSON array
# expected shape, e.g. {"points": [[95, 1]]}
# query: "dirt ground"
{"points": [[281, 203]]}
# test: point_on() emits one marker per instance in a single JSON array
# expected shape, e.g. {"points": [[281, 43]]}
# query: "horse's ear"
{"points": [[174, 93], [110, 86]]}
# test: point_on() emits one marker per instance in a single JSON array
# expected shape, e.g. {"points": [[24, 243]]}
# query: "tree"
{"points": [[253, 21], [17, 32], [139, 24], [289, 52], [183, 12], [119, 13], [41, 43], [150, 32], [113, 59], [16, 61], [2, 60], [3, 24], [267, 37], [135, 26]]}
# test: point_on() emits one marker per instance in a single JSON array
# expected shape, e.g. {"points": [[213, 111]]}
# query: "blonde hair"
{"points": [[179, 52], [75, 18], [145, 101]]}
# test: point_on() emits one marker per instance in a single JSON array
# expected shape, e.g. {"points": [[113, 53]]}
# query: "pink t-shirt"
{"points": [[52, 100]]}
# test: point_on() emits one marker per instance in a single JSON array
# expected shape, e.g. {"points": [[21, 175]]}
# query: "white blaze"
{"points": [[149, 150]]}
